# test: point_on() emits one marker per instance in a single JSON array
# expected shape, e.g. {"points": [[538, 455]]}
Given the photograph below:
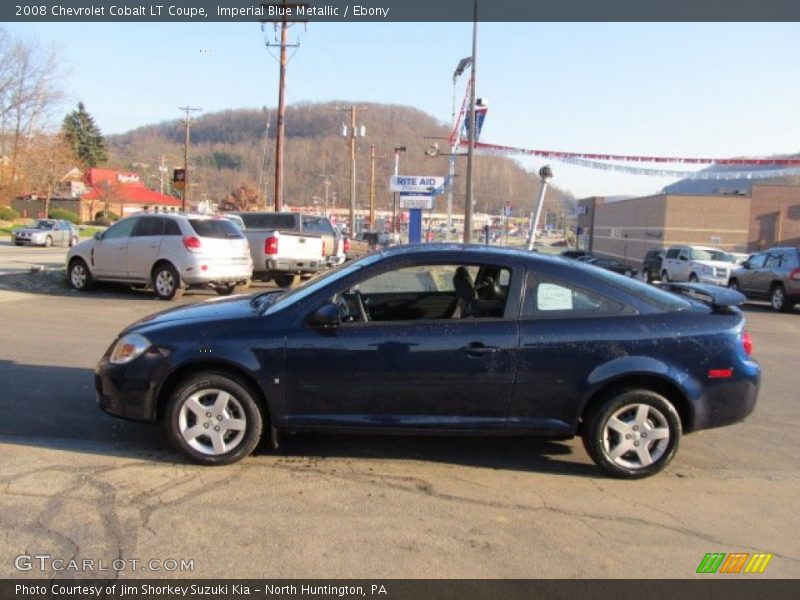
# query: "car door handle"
{"points": [[478, 349]]}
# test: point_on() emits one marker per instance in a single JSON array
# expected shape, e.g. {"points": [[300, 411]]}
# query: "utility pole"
{"points": [[285, 9], [262, 184], [472, 131], [185, 192], [352, 134], [372, 188], [327, 184]]}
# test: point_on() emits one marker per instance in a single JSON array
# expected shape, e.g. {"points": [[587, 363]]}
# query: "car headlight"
{"points": [[128, 347]]}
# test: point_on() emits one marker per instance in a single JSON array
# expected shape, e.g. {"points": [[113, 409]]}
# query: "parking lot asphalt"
{"points": [[76, 483]]}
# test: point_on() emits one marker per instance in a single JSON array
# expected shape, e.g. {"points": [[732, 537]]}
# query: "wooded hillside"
{"points": [[228, 152]]}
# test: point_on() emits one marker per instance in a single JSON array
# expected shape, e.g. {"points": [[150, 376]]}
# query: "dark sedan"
{"points": [[610, 264], [443, 339]]}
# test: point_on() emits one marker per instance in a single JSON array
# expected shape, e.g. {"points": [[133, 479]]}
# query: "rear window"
{"points": [[268, 221], [215, 228], [317, 225]]}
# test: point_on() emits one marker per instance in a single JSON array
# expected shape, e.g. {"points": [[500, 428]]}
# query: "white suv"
{"points": [[697, 264], [167, 252]]}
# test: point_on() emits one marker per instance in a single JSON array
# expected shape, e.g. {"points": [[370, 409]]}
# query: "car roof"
{"points": [[474, 250]]}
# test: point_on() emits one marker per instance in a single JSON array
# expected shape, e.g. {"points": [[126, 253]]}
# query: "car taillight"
{"points": [[795, 275], [747, 343], [346, 246], [192, 243], [271, 245]]}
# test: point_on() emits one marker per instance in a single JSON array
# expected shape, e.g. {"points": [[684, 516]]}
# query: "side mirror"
{"points": [[98, 235], [325, 318]]}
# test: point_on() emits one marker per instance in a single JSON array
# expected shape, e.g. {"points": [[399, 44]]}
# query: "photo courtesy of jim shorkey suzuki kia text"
{"points": [[130, 588]]}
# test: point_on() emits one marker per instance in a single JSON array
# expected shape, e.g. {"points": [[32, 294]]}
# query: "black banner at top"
{"points": [[206, 11]]}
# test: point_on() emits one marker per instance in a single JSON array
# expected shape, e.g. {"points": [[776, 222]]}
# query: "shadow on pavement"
{"points": [[54, 407]]}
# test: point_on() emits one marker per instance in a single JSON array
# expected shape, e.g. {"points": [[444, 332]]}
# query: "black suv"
{"points": [[651, 265]]}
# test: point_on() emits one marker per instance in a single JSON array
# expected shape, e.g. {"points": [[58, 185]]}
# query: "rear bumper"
{"points": [[729, 401], [291, 265], [194, 275]]}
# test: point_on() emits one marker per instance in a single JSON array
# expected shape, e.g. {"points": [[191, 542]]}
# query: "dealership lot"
{"points": [[77, 483]]}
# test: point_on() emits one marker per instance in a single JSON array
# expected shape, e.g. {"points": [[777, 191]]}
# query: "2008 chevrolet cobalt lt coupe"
{"points": [[443, 339]]}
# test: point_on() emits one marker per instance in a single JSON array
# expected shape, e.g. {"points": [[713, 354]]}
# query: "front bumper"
{"points": [[130, 391], [27, 241]]}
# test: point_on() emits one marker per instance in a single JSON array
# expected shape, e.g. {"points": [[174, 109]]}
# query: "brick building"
{"points": [[774, 217], [627, 229]]}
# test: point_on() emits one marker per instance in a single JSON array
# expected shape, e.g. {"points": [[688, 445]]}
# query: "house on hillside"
{"points": [[97, 190]]}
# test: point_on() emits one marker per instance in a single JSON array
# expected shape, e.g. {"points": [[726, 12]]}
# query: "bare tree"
{"points": [[29, 89]]}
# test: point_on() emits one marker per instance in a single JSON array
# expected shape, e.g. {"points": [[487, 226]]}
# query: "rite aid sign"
{"points": [[415, 184]]}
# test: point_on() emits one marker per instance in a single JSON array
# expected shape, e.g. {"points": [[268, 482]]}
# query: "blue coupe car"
{"points": [[428, 339]]}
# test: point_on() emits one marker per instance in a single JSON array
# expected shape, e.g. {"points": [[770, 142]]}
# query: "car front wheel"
{"points": [[166, 282], [79, 275], [213, 419], [633, 434]]}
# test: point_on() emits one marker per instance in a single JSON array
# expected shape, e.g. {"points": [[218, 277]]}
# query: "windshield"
{"points": [[43, 225], [701, 254], [312, 285]]}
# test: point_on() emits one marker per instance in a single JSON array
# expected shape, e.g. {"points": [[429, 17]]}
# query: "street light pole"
{"points": [[545, 173], [472, 130]]}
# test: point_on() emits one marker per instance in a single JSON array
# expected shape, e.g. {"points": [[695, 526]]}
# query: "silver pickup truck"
{"points": [[280, 248]]}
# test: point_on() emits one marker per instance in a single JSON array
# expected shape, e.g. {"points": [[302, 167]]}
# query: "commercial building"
{"points": [[774, 217]]}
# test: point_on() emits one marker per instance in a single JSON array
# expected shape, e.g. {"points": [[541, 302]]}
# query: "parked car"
{"points": [[772, 275], [167, 252], [46, 232], [284, 249], [697, 264], [575, 253], [443, 339], [610, 264], [652, 264]]}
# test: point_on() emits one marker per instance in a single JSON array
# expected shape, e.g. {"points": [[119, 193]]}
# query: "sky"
{"points": [[665, 89]]}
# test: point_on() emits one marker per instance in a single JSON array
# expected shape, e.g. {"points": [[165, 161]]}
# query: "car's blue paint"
{"points": [[433, 375]]}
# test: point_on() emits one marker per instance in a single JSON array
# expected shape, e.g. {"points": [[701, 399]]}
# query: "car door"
{"points": [[751, 278], [143, 246], [566, 331], [418, 366], [109, 254]]}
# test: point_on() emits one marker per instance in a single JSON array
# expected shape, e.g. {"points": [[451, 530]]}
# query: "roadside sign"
{"points": [[419, 184], [424, 201]]}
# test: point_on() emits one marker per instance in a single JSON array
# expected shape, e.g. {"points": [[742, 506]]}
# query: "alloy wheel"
{"points": [[212, 421], [636, 436]]}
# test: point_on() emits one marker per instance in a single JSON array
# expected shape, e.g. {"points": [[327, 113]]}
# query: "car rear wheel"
{"points": [[285, 280], [227, 290], [79, 275], [166, 282], [645, 276], [213, 419], [633, 434], [693, 278], [779, 300], [664, 276]]}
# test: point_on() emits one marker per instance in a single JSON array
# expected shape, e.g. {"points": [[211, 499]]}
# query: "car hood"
{"points": [[209, 310], [32, 230], [719, 264]]}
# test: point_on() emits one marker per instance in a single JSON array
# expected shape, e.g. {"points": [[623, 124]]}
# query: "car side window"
{"points": [[431, 292], [757, 261], [550, 298], [673, 253], [773, 262], [171, 227], [149, 226], [120, 229]]}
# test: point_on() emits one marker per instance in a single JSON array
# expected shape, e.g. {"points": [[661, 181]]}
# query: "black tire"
{"points": [[196, 407], [285, 280], [634, 414], [646, 276], [166, 282], [48, 241], [227, 290], [664, 276], [79, 276], [733, 284], [779, 300], [693, 278]]}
